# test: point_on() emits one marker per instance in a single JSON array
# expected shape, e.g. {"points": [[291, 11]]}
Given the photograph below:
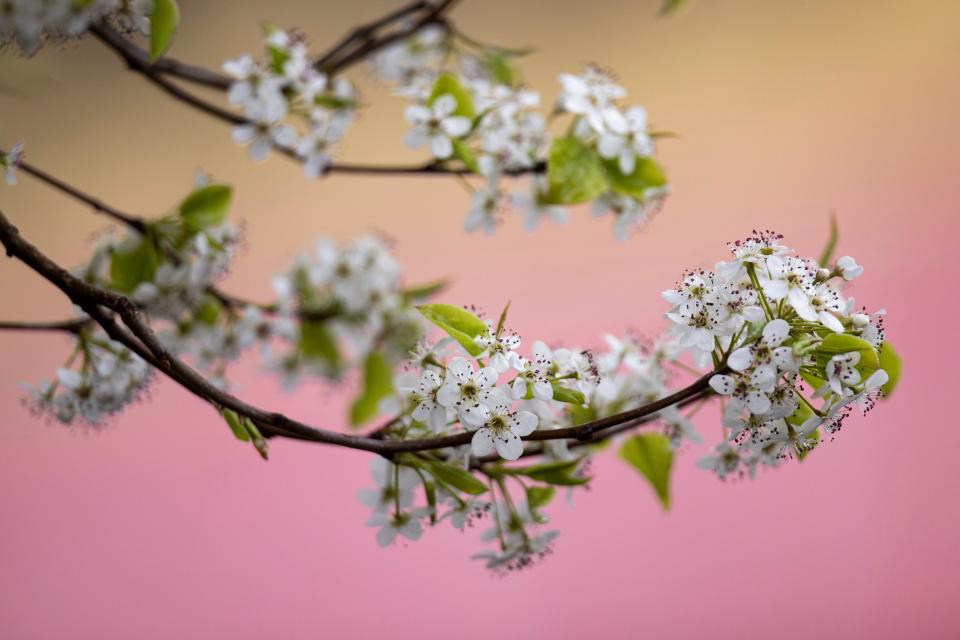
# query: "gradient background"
{"points": [[163, 526]]}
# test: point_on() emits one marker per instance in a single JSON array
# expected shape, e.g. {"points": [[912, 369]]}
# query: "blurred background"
{"points": [[163, 526]]}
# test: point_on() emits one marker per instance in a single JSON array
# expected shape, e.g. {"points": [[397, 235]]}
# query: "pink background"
{"points": [[163, 526]]}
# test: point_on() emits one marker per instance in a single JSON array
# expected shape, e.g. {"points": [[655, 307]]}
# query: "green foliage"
{"points": [[538, 497], [891, 363], [462, 151], [499, 67], [456, 477], [574, 172], [460, 324], [651, 455], [647, 174], [423, 291], [377, 384], [570, 396], [163, 25], [316, 343], [448, 84], [557, 473], [209, 311], [133, 263], [839, 343], [244, 430], [205, 207], [671, 6]]}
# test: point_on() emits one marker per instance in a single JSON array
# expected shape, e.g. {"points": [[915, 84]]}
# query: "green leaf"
{"points": [[163, 24], [448, 84], [460, 324], [430, 492], [557, 473], [258, 441], [423, 291], [502, 320], [206, 207], [132, 264], [377, 384], [498, 66], [651, 455], [538, 497], [570, 396], [839, 343], [827, 254], [462, 151], [209, 311], [574, 172], [647, 174], [891, 363], [233, 421], [456, 477], [317, 343], [671, 6]]}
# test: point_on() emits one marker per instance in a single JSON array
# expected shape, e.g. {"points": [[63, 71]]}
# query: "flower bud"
{"points": [[860, 320]]}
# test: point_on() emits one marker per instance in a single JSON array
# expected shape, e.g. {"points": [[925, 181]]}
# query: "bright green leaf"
{"points": [[570, 396], [574, 172], [556, 473], [651, 455], [316, 342], [131, 264], [233, 421], [891, 363], [423, 291], [460, 324], [498, 66], [456, 477], [538, 497], [377, 384], [448, 84], [839, 343], [647, 174], [206, 207], [462, 151], [163, 25], [209, 311]]}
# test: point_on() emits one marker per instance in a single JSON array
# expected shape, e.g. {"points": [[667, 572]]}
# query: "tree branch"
{"points": [[138, 337], [70, 326]]}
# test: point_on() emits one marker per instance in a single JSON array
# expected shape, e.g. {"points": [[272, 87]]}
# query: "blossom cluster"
{"points": [[482, 117], [28, 23], [782, 325], [101, 378], [288, 103]]}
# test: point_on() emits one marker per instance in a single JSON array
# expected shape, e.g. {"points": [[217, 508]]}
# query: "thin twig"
{"points": [[70, 326]]}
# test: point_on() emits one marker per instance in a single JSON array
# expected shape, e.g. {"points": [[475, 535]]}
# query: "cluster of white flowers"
{"points": [[779, 322], [287, 89], [481, 117], [108, 378], [29, 22]]}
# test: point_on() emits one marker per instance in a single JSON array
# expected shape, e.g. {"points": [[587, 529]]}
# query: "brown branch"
{"points": [[70, 326], [138, 60], [138, 336], [365, 41]]}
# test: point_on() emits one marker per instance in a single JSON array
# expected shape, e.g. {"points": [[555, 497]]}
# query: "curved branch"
{"points": [[138, 336]]}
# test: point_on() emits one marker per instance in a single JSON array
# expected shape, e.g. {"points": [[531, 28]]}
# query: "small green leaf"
{"points": [[647, 174], [448, 84], [163, 25], [317, 343], [456, 477], [377, 384], [462, 151], [570, 396], [423, 291], [538, 497], [460, 324], [502, 320], [258, 441], [430, 492], [827, 254], [574, 172], [891, 363], [233, 421], [839, 343], [556, 473], [209, 311], [651, 455], [671, 6], [131, 264], [498, 66], [206, 207]]}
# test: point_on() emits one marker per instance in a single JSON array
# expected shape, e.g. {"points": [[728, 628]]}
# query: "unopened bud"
{"points": [[860, 320]]}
